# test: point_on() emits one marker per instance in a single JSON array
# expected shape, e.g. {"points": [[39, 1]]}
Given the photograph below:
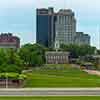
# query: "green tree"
{"points": [[3, 56], [98, 52], [10, 61], [78, 50], [13, 58], [5, 68], [32, 54]]}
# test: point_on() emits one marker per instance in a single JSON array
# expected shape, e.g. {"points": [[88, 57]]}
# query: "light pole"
{"points": [[6, 80]]}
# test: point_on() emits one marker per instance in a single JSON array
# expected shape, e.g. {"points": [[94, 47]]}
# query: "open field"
{"points": [[61, 76], [49, 98]]}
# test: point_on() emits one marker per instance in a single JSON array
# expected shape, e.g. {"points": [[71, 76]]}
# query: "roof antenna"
{"points": [[64, 4]]}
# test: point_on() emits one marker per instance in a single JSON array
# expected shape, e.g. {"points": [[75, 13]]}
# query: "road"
{"points": [[50, 92]]}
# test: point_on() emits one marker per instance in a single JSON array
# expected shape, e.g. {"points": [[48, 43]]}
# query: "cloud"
{"points": [[16, 3], [81, 6]]}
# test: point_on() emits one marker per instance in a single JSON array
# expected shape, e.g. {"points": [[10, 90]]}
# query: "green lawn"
{"points": [[49, 98], [61, 76]]}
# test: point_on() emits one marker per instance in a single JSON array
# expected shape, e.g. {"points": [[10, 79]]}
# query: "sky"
{"points": [[19, 17]]}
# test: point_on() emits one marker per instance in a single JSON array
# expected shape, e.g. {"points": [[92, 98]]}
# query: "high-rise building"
{"points": [[65, 26], [45, 34]]}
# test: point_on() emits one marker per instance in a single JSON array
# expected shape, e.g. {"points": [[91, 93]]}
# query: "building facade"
{"points": [[65, 27], [57, 57], [7, 40], [82, 39]]}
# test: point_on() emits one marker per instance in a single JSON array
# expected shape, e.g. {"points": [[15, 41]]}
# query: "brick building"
{"points": [[7, 40], [53, 57]]}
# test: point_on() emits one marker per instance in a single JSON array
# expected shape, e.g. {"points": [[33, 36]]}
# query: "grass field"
{"points": [[61, 76], [49, 98]]}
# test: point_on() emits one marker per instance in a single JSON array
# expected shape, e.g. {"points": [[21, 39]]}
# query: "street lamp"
{"points": [[6, 80]]}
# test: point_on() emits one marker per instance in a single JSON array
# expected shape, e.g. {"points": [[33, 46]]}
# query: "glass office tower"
{"points": [[45, 27]]}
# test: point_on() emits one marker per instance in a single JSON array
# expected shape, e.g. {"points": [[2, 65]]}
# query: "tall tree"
{"points": [[32, 54], [10, 61]]}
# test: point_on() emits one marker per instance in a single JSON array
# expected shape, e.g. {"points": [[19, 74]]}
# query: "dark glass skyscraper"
{"points": [[45, 27]]}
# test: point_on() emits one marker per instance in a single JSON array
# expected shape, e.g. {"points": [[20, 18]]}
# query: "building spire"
{"points": [[57, 45]]}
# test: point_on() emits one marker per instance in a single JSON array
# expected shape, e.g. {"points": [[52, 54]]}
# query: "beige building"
{"points": [[54, 57], [65, 26]]}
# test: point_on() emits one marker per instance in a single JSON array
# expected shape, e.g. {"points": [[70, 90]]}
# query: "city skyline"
{"points": [[58, 27], [20, 17], [86, 13]]}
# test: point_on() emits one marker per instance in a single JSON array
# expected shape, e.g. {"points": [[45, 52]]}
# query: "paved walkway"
{"points": [[93, 72], [51, 92]]}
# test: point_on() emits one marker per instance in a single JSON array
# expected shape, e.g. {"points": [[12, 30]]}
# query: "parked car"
{"points": [[88, 66]]}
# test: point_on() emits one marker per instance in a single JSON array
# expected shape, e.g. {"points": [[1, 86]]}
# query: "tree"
{"points": [[32, 54], [78, 50], [13, 58], [5, 68], [98, 52], [10, 61], [3, 56], [36, 59]]}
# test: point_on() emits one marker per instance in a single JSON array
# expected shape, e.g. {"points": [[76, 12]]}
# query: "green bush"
{"points": [[13, 76], [10, 68]]}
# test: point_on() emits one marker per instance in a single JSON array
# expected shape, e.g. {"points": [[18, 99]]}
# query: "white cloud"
{"points": [[16, 3], [82, 6]]}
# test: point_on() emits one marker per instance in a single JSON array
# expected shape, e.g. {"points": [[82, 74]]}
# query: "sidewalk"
{"points": [[30, 89], [93, 72]]}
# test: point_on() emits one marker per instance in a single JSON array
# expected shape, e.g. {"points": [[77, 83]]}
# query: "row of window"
{"points": [[65, 34], [57, 57], [64, 19], [64, 39]]}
